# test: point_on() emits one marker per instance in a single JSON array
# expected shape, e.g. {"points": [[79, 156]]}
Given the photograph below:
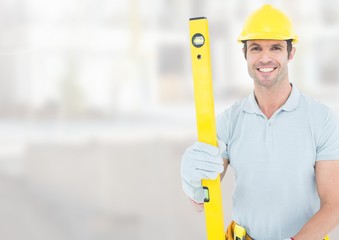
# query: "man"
{"points": [[282, 145]]}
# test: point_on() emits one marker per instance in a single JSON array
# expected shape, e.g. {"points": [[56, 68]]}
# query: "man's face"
{"points": [[267, 62]]}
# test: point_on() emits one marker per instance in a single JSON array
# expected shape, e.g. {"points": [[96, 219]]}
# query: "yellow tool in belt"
{"points": [[239, 232], [204, 104]]}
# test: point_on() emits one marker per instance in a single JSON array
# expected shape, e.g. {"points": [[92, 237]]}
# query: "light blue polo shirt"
{"points": [[273, 160]]}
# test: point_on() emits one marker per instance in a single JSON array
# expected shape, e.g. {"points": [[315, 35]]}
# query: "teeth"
{"points": [[266, 69]]}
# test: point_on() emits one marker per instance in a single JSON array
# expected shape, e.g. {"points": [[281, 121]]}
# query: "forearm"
{"points": [[324, 221], [226, 162]]}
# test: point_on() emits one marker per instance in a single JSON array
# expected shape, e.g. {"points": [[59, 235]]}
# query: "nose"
{"points": [[265, 57]]}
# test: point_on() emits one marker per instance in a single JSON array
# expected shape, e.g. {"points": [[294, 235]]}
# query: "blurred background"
{"points": [[96, 109]]}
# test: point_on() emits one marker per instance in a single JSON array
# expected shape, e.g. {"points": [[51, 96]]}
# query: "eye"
{"points": [[255, 49], [276, 48]]}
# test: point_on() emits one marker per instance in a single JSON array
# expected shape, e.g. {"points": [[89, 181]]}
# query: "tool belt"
{"points": [[240, 232], [236, 232]]}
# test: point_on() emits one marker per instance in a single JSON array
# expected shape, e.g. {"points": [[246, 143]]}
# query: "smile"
{"points": [[266, 70]]}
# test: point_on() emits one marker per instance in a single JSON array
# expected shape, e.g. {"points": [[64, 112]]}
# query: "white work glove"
{"points": [[200, 161]]}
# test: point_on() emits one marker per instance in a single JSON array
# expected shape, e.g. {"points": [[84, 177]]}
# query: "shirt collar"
{"points": [[292, 101], [251, 105]]}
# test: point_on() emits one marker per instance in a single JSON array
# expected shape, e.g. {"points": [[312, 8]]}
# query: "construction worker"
{"points": [[282, 145]]}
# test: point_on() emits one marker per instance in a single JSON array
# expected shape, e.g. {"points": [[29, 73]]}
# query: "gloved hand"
{"points": [[200, 161]]}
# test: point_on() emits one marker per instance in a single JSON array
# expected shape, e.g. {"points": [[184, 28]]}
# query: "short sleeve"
{"points": [[328, 141], [222, 134]]}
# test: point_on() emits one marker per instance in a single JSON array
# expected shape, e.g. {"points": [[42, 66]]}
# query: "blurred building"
{"points": [[96, 109]]}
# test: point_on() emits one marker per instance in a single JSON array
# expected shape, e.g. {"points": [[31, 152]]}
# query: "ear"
{"points": [[292, 53]]}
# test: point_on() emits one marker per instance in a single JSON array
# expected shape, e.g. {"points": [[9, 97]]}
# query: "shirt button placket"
{"points": [[269, 134]]}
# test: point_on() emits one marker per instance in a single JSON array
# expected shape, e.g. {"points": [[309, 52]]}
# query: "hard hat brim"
{"points": [[267, 36]]}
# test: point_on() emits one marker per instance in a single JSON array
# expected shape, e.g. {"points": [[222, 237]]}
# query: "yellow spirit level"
{"points": [[204, 104]]}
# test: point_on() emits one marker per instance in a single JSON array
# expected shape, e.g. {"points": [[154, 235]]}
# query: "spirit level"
{"points": [[204, 104]]}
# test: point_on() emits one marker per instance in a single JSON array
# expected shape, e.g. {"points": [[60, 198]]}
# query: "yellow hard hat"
{"points": [[268, 23]]}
